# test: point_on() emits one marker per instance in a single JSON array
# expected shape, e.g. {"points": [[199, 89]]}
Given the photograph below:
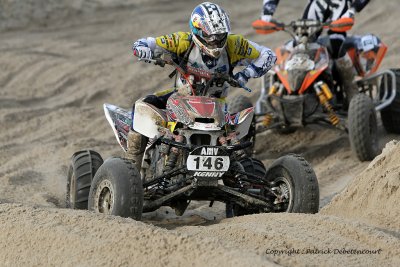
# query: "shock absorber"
{"points": [[171, 160], [275, 89], [236, 180], [173, 155], [324, 95], [267, 120]]}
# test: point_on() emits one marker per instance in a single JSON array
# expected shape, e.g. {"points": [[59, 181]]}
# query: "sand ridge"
{"points": [[374, 195]]}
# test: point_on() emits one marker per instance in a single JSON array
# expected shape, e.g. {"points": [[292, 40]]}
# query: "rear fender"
{"points": [[120, 122], [366, 52], [242, 122], [148, 119]]}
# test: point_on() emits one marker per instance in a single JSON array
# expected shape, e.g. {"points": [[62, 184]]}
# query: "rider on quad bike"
{"points": [[209, 46], [329, 10], [195, 148]]}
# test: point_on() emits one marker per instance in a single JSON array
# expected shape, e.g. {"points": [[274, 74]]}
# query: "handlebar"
{"points": [[156, 61], [218, 77], [340, 25], [224, 77]]}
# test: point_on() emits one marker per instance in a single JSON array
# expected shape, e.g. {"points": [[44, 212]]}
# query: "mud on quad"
{"points": [[194, 152], [304, 86]]}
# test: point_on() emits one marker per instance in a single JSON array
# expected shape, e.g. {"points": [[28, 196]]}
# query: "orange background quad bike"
{"points": [[304, 87]]}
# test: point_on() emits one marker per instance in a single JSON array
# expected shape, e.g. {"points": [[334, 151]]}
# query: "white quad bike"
{"points": [[194, 152]]}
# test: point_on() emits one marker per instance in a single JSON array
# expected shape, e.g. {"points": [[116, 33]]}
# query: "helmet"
{"points": [[210, 26]]}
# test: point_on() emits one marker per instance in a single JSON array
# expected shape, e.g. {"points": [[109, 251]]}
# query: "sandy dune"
{"points": [[61, 60]]}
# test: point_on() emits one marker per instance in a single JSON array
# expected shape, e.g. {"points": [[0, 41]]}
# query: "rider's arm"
{"points": [[269, 7], [358, 5], [257, 59], [176, 43]]}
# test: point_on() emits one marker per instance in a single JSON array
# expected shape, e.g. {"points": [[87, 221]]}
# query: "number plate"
{"points": [[208, 159]]}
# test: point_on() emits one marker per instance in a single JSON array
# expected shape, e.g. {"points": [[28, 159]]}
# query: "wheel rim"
{"points": [[104, 197], [72, 193], [284, 193]]}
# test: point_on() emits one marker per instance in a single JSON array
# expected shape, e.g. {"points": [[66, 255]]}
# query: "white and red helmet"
{"points": [[210, 26]]}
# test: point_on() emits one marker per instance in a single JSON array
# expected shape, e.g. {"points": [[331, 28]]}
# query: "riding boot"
{"points": [[135, 147], [345, 69]]}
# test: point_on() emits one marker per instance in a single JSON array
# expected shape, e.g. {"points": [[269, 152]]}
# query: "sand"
{"points": [[61, 60], [374, 195]]}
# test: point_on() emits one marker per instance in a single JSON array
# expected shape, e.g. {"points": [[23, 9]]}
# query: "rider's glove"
{"points": [[142, 52], [269, 18], [349, 13], [266, 18], [241, 78]]}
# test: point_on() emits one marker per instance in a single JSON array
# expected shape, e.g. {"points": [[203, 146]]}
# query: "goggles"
{"points": [[214, 40]]}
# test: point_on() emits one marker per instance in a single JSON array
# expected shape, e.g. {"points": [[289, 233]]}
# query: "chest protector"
{"points": [[212, 65]]}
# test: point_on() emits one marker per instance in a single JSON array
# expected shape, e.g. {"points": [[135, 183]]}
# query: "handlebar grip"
{"points": [[159, 62], [235, 83], [156, 61], [246, 88]]}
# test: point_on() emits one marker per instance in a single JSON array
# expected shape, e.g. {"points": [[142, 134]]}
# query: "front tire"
{"points": [[363, 127], [84, 165], [295, 181], [117, 190]]}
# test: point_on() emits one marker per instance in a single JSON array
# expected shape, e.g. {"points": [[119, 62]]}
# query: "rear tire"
{"points": [[294, 176], [363, 127], [252, 166], [84, 165], [294, 179], [391, 114], [237, 104], [117, 190]]}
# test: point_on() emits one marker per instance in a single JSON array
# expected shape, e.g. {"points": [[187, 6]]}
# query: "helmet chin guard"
{"points": [[210, 26]]}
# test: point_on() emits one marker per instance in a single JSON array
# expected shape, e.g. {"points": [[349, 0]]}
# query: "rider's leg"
{"points": [[135, 148], [136, 143], [344, 66]]}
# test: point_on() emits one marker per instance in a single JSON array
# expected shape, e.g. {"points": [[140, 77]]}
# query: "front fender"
{"points": [[243, 121], [147, 119]]}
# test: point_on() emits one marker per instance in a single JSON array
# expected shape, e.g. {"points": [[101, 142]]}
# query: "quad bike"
{"points": [[194, 152], [304, 86]]}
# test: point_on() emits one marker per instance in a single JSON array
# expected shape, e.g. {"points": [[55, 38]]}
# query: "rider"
{"points": [[209, 46], [329, 10]]}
